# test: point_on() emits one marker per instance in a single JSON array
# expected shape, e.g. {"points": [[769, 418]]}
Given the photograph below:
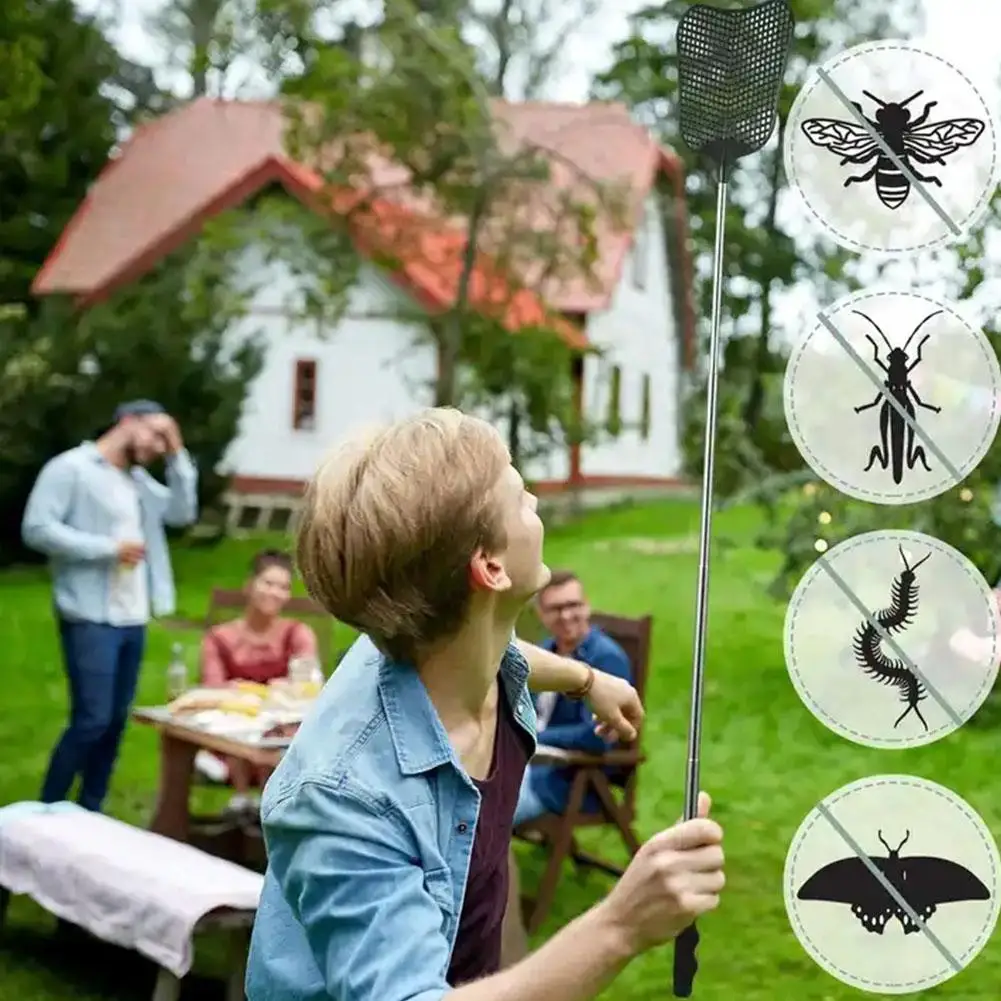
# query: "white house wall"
{"points": [[368, 369], [639, 334]]}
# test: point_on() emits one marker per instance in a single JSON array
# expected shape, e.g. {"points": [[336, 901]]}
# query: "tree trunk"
{"points": [[450, 339], [514, 433]]}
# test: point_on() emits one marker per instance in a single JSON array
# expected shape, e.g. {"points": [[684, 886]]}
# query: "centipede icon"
{"points": [[867, 642]]}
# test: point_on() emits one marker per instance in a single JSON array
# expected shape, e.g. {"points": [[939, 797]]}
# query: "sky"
{"points": [[954, 27]]}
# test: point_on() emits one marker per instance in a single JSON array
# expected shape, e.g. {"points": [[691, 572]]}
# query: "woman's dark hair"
{"points": [[268, 558]]}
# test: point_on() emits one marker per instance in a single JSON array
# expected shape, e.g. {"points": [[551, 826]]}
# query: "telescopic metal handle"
{"points": [[686, 963]]}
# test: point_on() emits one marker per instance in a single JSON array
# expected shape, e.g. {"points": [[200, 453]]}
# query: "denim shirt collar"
{"points": [[419, 738]]}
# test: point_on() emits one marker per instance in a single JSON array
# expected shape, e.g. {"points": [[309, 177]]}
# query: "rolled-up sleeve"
{"points": [[347, 872]]}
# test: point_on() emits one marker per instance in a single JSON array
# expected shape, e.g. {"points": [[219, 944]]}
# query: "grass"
{"points": [[766, 761]]}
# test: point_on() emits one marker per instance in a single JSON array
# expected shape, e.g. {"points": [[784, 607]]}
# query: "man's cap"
{"points": [[137, 408]]}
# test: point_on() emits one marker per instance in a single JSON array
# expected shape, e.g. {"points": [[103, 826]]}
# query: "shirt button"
{"points": [[462, 828]]}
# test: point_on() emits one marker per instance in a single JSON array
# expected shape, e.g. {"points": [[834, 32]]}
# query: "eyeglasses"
{"points": [[566, 606]]}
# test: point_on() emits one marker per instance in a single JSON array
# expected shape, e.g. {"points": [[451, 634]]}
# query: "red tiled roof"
{"points": [[209, 156]]}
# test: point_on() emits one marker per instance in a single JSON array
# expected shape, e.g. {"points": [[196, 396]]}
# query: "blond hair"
{"points": [[391, 520]]}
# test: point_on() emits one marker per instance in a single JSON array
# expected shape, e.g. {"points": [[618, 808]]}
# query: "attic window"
{"points": [[641, 244]]}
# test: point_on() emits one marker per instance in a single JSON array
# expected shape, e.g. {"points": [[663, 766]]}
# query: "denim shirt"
{"points": [[68, 519], [369, 822]]}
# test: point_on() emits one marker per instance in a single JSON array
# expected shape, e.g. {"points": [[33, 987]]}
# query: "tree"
{"points": [[763, 257], [421, 106], [162, 337], [57, 135], [20, 74], [523, 44]]}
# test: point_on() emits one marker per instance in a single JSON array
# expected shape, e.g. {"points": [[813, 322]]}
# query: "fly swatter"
{"points": [[730, 69]]}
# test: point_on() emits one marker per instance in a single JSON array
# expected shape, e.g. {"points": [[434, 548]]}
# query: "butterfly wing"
{"points": [[930, 143], [841, 138], [926, 882], [848, 881]]}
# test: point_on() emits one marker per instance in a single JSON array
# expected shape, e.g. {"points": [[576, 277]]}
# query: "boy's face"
{"points": [[521, 563]]}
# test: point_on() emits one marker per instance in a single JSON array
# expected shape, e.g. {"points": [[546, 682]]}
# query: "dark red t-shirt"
{"points": [[477, 951]]}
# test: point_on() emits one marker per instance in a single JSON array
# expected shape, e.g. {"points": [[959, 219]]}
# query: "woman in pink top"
{"points": [[255, 647]]}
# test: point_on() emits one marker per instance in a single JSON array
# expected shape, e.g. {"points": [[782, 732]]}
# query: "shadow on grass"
{"points": [[97, 969]]}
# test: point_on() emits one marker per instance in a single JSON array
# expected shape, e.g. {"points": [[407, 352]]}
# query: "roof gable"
{"points": [[210, 155]]}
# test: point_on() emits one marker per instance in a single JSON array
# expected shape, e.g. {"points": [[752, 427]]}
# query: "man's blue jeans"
{"points": [[102, 668]]}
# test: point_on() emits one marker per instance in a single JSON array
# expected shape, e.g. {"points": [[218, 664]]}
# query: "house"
{"points": [[211, 155]]}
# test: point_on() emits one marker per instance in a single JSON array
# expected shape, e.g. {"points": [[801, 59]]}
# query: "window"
{"points": [[304, 395], [614, 419], [641, 244], [645, 409]]}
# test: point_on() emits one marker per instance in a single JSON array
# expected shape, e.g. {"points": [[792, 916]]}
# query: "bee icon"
{"points": [[917, 141]]}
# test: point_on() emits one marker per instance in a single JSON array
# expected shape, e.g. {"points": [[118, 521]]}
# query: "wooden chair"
{"points": [[227, 603], [557, 831]]}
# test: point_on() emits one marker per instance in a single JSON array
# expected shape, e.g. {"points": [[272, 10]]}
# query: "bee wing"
{"points": [[841, 138], [929, 143]]}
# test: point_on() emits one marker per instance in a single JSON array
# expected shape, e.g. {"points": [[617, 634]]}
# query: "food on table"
{"points": [[220, 699]]}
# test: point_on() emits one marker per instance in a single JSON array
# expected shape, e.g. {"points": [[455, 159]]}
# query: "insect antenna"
{"points": [[874, 99], [913, 97], [919, 326], [907, 837], [882, 841], [876, 325], [907, 565]]}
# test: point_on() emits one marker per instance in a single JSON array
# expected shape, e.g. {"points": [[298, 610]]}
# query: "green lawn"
{"points": [[765, 760]]}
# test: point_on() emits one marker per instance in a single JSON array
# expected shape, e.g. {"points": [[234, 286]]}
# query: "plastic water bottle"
{"points": [[177, 673]]}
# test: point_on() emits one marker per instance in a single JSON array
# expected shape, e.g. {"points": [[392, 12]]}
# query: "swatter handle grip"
{"points": [[685, 962]]}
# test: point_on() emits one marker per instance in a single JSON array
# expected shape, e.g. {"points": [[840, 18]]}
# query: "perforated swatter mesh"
{"points": [[730, 69]]}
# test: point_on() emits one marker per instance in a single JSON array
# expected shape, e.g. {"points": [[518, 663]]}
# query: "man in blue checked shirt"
{"points": [[99, 517]]}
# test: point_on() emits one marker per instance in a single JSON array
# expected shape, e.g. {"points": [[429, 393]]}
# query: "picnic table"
{"points": [[180, 740]]}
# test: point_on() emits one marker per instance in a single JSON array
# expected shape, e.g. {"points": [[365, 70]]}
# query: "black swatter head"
{"points": [[730, 69]]}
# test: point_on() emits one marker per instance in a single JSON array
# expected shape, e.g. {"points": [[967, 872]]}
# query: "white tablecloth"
{"points": [[121, 883]]}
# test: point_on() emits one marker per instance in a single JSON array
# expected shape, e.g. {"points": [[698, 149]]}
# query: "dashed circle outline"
{"points": [[876, 496], [828, 720], [789, 154], [811, 820]]}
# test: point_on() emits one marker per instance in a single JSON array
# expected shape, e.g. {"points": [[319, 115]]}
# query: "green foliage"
{"points": [[762, 257], [420, 104], [56, 130], [62, 372]]}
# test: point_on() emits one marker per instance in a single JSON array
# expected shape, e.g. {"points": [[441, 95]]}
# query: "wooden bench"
{"points": [[129, 887]]}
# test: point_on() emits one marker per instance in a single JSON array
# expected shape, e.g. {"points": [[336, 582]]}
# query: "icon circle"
{"points": [[924, 107], [935, 852], [937, 365], [938, 610]]}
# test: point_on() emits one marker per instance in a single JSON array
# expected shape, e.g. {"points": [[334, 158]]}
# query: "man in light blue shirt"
{"points": [[99, 517]]}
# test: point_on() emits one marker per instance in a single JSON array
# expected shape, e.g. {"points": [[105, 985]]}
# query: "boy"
{"points": [[389, 819]]}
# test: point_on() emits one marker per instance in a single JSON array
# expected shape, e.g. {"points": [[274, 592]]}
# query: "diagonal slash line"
{"points": [[887, 152], [888, 886], [875, 380], [888, 639]]}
